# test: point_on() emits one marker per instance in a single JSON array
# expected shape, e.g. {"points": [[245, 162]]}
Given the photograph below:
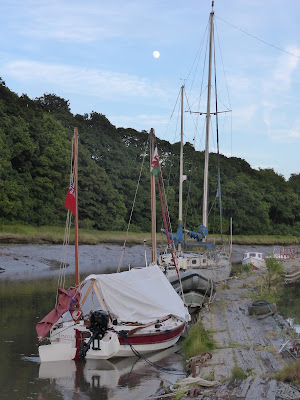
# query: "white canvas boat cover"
{"points": [[139, 295]]}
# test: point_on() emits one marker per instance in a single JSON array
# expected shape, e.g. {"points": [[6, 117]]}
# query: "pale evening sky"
{"points": [[99, 56]]}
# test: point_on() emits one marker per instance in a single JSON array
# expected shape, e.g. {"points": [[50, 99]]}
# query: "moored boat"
{"points": [[208, 260], [111, 315], [255, 259]]}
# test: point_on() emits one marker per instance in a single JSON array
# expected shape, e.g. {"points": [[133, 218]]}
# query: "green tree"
{"points": [[274, 270]]}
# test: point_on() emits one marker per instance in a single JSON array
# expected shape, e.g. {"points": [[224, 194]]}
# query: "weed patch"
{"points": [[238, 373], [290, 373], [198, 341]]}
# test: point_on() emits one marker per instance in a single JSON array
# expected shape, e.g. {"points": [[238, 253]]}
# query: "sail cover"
{"points": [[139, 295]]}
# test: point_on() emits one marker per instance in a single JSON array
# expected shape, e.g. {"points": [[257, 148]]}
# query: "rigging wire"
{"points": [[66, 241], [171, 116], [259, 39], [203, 70], [223, 68], [229, 101], [196, 123], [173, 156], [197, 57], [166, 195], [133, 204], [218, 147], [188, 199], [191, 79]]}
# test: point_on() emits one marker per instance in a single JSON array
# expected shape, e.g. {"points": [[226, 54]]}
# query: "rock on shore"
{"points": [[247, 343]]}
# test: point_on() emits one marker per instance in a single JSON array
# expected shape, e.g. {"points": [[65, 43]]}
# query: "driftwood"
{"points": [[197, 361]]}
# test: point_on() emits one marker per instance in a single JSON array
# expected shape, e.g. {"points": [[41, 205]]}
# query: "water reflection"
{"points": [[22, 305], [288, 305], [128, 378]]}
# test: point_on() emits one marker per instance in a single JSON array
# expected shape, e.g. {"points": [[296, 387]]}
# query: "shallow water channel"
{"points": [[27, 294]]}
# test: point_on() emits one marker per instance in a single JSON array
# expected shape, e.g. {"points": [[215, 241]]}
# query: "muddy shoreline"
{"points": [[35, 261], [19, 262]]}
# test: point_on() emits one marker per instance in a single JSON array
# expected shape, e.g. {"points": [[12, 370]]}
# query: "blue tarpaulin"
{"points": [[178, 237], [202, 232]]}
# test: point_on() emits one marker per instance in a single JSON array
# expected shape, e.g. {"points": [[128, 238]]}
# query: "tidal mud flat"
{"points": [[30, 262], [34, 261]]}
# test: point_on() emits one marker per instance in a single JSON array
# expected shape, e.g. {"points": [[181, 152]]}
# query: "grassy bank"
{"points": [[51, 234]]}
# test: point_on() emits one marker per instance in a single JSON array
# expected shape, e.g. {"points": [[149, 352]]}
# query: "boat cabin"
{"points": [[253, 255]]}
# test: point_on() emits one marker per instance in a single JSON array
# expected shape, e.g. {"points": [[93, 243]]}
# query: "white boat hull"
{"points": [[255, 262], [57, 352], [126, 350], [216, 269], [255, 259], [67, 338]]}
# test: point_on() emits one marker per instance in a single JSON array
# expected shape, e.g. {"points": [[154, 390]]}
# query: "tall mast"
{"points": [[153, 198], [77, 280], [205, 184], [181, 168]]}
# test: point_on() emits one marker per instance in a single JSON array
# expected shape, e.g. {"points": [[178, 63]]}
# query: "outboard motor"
{"points": [[99, 323]]}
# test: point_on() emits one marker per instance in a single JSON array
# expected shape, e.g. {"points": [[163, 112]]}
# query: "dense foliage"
{"points": [[35, 147]]}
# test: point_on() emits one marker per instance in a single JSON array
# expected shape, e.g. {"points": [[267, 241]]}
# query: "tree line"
{"points": [[35, 149]]}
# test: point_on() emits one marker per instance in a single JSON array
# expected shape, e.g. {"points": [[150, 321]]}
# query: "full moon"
{"points": [[156, 54]]}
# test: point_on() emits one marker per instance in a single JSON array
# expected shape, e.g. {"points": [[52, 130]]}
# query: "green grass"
{"points": [[197, 341], [238, 373], [290, 373], [265, 239], [55, 234], [272, 295], [18, 233]]}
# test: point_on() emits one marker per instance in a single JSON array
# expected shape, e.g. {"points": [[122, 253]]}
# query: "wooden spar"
{"points": [[180, 168], [87, 292], [93, 286], [77, 279], [133, 331], [205, 185], [153, 199]]}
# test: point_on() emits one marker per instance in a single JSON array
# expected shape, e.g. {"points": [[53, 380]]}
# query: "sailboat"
{"points": [[110, 315], [180, 266], [212, 263]]}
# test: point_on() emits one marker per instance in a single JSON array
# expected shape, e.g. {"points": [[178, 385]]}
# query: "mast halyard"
{"points": [[180, 223], [77, 279], [205, 184], [153, 199]]}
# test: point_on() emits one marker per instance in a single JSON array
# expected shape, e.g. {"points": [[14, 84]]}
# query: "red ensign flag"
{"points": [[70, 199]]}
